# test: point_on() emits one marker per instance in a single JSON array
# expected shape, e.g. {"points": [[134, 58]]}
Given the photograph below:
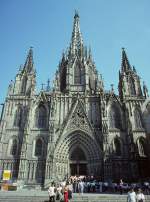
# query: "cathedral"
{"points": [[75, 127]]}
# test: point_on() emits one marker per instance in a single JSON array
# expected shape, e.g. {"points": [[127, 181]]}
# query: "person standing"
{"points": [[81, 187], [70, 190], [66, 194], [131, 196], [51, 192], [121, 186], [140, 196], [59, 195]]}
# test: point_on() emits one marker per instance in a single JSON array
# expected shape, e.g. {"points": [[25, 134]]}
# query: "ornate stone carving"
{"points": [[78, 121]]}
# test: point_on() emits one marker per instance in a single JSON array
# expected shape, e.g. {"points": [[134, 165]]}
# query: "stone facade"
{"points": [[76, 126]]}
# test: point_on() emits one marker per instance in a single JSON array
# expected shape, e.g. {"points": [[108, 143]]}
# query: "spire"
{"points": [[90, 53], [125, 66], [28, 66], [76, 46]]}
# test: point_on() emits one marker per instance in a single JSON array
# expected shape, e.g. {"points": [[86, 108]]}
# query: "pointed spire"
{"points": [[90, 53], [28, 66], [125, 66], [134, 69], [76, 46]]}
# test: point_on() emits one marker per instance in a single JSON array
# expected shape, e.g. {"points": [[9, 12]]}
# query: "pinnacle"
{"points": [[29, 61]]}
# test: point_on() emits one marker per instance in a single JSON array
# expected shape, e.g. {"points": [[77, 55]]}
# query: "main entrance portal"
{"points": [[78, 169], [78, 162]]}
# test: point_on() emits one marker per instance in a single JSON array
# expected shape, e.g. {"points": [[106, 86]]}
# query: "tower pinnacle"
{"points": [[76, 46], [125, 65], [29, 61]]}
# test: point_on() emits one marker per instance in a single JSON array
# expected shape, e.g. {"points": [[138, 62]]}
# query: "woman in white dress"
{"points": [[140, 196]]}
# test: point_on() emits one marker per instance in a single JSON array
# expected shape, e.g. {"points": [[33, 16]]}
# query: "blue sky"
{"points": [[106, 25]]}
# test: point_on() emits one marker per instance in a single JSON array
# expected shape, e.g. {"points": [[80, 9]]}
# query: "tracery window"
{"points": [[18, 117], [137, 118], [132, 87], [77, 74], [13, 149], [41, 117], [115, 118], [38, 147]]}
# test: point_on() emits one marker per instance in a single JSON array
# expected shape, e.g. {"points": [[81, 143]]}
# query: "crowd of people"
{"points": [[88, 184]]}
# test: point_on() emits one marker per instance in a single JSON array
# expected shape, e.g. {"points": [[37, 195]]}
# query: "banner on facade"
{"points": [[6, 174]]}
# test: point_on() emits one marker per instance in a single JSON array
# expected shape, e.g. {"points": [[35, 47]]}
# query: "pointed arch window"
{"points": [[38, 147], [141, 146], [63, 78], [77, 74], [137, 118], [115, 118], [18, 117], [41, 117], [117, 145], [24, 84], [132, 87], [13, 148]]}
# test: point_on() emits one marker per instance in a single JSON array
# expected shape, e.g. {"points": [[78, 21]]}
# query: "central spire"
{"points": [[76, 46], [125, 66]]}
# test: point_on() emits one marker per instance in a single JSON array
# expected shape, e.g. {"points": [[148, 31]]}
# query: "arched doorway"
{"points": [[77, 153], [78, 162]]}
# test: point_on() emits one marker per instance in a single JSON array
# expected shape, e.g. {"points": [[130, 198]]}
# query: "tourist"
{"points": [[140, 196], [121, 186], [70, 190], [146, 187], [131, 196], [59, 195], [66, 193], [51, 192], [81, 187], [100, 187]]}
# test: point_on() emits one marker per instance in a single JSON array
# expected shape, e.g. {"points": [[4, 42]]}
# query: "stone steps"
{"points": [[43, 197]]}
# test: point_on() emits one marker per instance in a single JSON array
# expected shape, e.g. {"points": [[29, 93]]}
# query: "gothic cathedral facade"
{"points": [[76, 127]]}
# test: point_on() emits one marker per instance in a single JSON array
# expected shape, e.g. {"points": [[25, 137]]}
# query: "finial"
{"points": [[123, 48], [76, 14], [20, 67], [145, 90], [42, 88], [48, 85], [112, 87]]}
